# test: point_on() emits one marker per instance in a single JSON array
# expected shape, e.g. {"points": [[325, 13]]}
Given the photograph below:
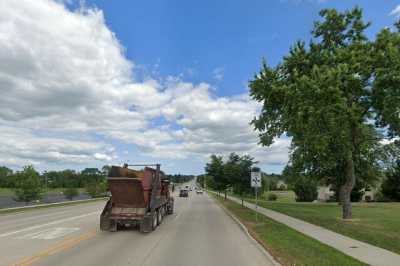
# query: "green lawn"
{"points": [[283, 195], [374, 223], [286, 245]]}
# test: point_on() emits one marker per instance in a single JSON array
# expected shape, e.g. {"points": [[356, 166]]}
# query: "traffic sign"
{"points": [[256, 179]]}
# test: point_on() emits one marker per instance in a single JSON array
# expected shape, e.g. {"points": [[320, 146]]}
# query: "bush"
{"points": [[380, 197], [306, 189], [282, 187], [96, 189], [391, 185], [71, 192], [272, 197], [28, 185]]}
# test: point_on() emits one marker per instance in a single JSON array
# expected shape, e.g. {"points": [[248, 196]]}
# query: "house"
{"points": [[281, 185], [369, 194], [325, 193]]}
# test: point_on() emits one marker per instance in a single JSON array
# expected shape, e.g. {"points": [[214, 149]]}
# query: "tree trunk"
{"points": [[225, 193], [347, 187]]}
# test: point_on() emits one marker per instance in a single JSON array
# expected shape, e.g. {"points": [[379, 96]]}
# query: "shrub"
{"points": [[28, 185], [272, 197], [282, 187], [380, 197], [96, 189], [391, 185], [306, 189]]}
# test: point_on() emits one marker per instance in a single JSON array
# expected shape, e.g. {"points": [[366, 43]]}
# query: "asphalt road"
{"points": [[198, 233]]}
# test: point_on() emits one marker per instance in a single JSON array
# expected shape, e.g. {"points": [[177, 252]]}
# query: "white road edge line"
{"points": [[244, 228], [47, 224]]}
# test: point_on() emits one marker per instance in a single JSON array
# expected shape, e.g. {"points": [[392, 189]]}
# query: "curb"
{"points": [[246, 231], [50, 204]]}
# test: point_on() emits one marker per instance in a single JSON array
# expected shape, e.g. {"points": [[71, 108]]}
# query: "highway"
{"points": [[198, 233]]}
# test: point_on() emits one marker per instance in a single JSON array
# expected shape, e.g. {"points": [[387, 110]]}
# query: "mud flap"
{"points": [[170, 207], [106, 224], [146, 224]]}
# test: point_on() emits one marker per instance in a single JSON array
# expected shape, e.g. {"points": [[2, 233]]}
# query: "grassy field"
{"points": [[283, 196], [374, 223], [286, 245]]}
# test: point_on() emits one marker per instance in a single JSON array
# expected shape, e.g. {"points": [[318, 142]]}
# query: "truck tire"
{"points": [[170, 207], [159, 215], [155, 220]]}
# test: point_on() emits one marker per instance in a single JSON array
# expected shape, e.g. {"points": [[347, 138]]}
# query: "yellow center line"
{"points": [[61, 246]]}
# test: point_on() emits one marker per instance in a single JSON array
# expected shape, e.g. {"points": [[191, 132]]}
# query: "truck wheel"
{"points": [[155, 220], [159, 215], [171, 208]]}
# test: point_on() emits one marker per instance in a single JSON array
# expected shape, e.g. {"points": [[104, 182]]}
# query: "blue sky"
{"points": [[145, 81], [197, 37]]}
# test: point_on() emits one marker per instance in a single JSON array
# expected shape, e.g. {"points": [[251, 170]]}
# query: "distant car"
{"points": [[183, 193], [199, 191]]}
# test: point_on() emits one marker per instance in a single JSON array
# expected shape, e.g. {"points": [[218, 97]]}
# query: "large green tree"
{"points": [[331, 95], [215, 169], [237, 171]]}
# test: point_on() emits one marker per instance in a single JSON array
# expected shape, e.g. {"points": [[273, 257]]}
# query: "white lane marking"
{"points": [[50, 233], [47, 224]]}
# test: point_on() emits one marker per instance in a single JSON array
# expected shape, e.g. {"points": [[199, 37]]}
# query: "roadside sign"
{"points": [[256, 183], [256, 179]]}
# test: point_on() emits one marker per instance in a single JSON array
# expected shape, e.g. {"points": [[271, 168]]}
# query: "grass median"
{"points": [[286, 245], [374, 223]]}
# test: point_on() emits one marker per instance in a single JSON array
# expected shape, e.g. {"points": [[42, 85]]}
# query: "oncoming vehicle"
{"points": [[199, 191], [184, 193]]}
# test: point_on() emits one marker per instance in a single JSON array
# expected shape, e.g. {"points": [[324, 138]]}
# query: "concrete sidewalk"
{"points": [[364, 252]]}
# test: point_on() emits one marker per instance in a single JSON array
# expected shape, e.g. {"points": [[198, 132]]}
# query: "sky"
{"points": [[89, 83]]}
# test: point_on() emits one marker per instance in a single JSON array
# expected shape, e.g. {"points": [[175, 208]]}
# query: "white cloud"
{"points": [[64, 77], [21, 146], [395, 11], [218, 73]]}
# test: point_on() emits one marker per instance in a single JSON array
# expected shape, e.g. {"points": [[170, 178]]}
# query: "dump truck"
{"points": [[138, 197]]}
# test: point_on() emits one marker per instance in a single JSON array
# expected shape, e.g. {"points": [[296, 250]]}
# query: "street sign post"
{"points": [[256, 183]]}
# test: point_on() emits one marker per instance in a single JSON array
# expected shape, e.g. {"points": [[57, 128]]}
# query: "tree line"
{"points": [[28, 184], [179, 178], [232, 173]]}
